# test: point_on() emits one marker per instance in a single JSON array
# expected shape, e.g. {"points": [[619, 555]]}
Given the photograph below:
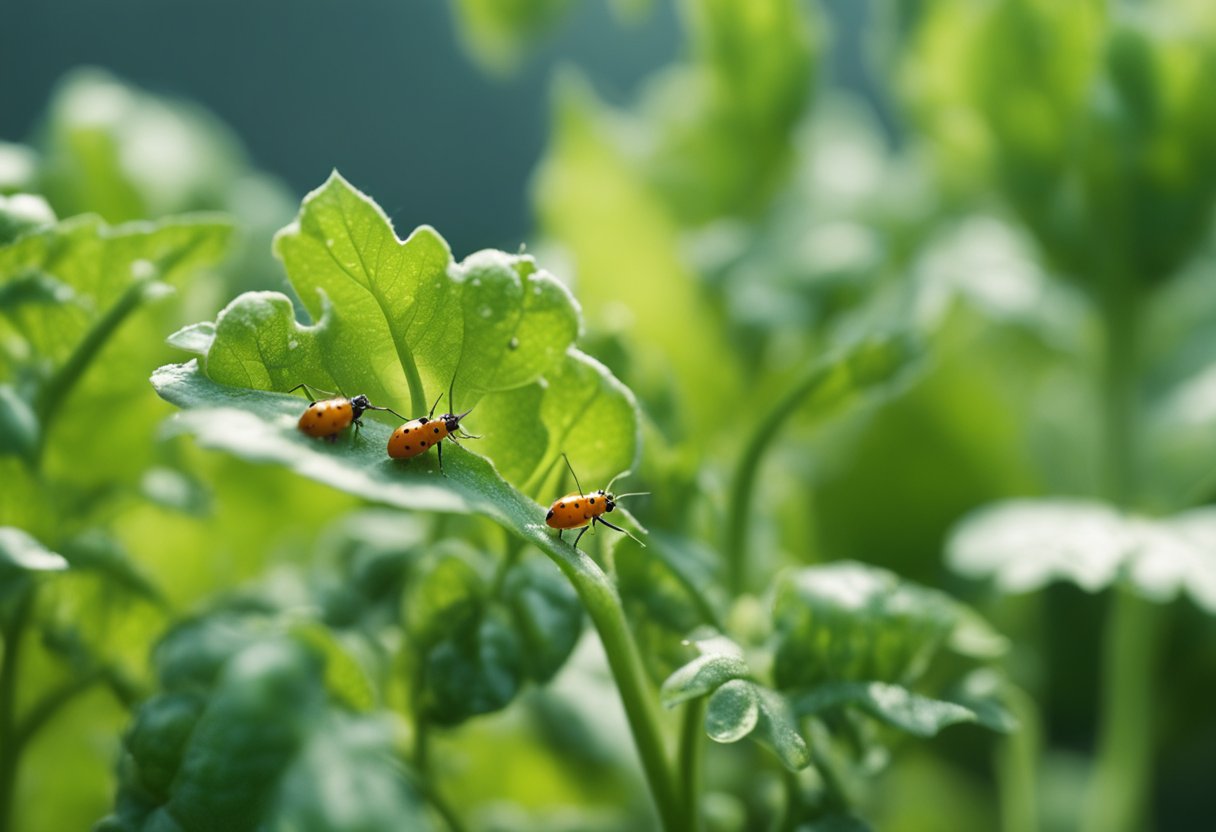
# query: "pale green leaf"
{"points": [[732, 712], [901, 708], [1023, 545], [702, 676], [852, 622], [779, 731], [20, 552]]}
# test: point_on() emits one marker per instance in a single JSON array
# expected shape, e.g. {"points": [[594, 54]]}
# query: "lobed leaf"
{"points": [[401, 322]]}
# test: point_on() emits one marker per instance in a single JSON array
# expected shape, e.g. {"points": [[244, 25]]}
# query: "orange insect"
{"points": [[583, 511], [327, 418], [419, 435]]}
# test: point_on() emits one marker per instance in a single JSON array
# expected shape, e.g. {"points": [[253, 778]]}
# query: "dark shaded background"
{"points": [[379, 89]]}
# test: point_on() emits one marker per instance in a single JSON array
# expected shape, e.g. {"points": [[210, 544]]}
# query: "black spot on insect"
{"points": [[576, 505], [592, 501], [549, 515], [422, 421], [424, 443], [436, 430], [561, 505], [407, 430]]}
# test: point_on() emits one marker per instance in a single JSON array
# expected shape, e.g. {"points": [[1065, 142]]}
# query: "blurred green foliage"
{"points": [[818, 348]]}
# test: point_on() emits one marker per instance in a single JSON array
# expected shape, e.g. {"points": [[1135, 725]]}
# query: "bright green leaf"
{"points": [[900, 707], [402, 323]]}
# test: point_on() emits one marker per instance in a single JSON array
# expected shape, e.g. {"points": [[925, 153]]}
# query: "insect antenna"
{"points": [[571, 467], [631, 494], [435, 405]]}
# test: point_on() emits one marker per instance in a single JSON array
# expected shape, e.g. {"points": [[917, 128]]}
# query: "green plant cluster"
{"points": [[813, 352]]}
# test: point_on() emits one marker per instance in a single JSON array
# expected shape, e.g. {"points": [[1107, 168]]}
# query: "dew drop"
{"points": [[476, 281], [292, 344], [142, 269], [485, 311], [513, 344], [329, 243]]}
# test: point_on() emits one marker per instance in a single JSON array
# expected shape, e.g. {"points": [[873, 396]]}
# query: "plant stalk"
{"points": [[603, 606], [1017, 756], [1118, 791], [692, 744]]}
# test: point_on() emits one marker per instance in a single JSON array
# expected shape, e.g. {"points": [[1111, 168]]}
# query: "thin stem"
{"points": [[57, 388], [692, 745], [1017, 756], [832, 379], [1119, 788], [10, 750], [764, 431]]}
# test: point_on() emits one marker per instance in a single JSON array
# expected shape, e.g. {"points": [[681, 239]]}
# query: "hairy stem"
{"points": [[1119, 787]]}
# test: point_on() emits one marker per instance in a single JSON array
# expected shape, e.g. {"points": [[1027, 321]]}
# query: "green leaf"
{"points": [[1023, 545], [447, 597], [20, 552], [255, 744], [348, 777], [702, 676], [253, 725], [851, 622], [778, 730], [473, 670], [547, 616], [400, 322], [157, 739], [733, 711], [82, 280], [899, 707], [345, 678]]}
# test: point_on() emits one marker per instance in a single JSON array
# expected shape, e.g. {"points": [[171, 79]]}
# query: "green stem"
{"points": [[1119, 787], [1017, 757], [58, 386], [692, 743], [603, 606], [831, 379], [10, 751], [764, 431]]}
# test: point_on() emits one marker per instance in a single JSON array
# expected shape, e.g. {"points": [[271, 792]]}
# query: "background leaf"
{"points": [[1024, 545]]}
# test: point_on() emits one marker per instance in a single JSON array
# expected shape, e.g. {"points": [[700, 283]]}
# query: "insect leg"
{"points": [[622, 531], [582, 532]]}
